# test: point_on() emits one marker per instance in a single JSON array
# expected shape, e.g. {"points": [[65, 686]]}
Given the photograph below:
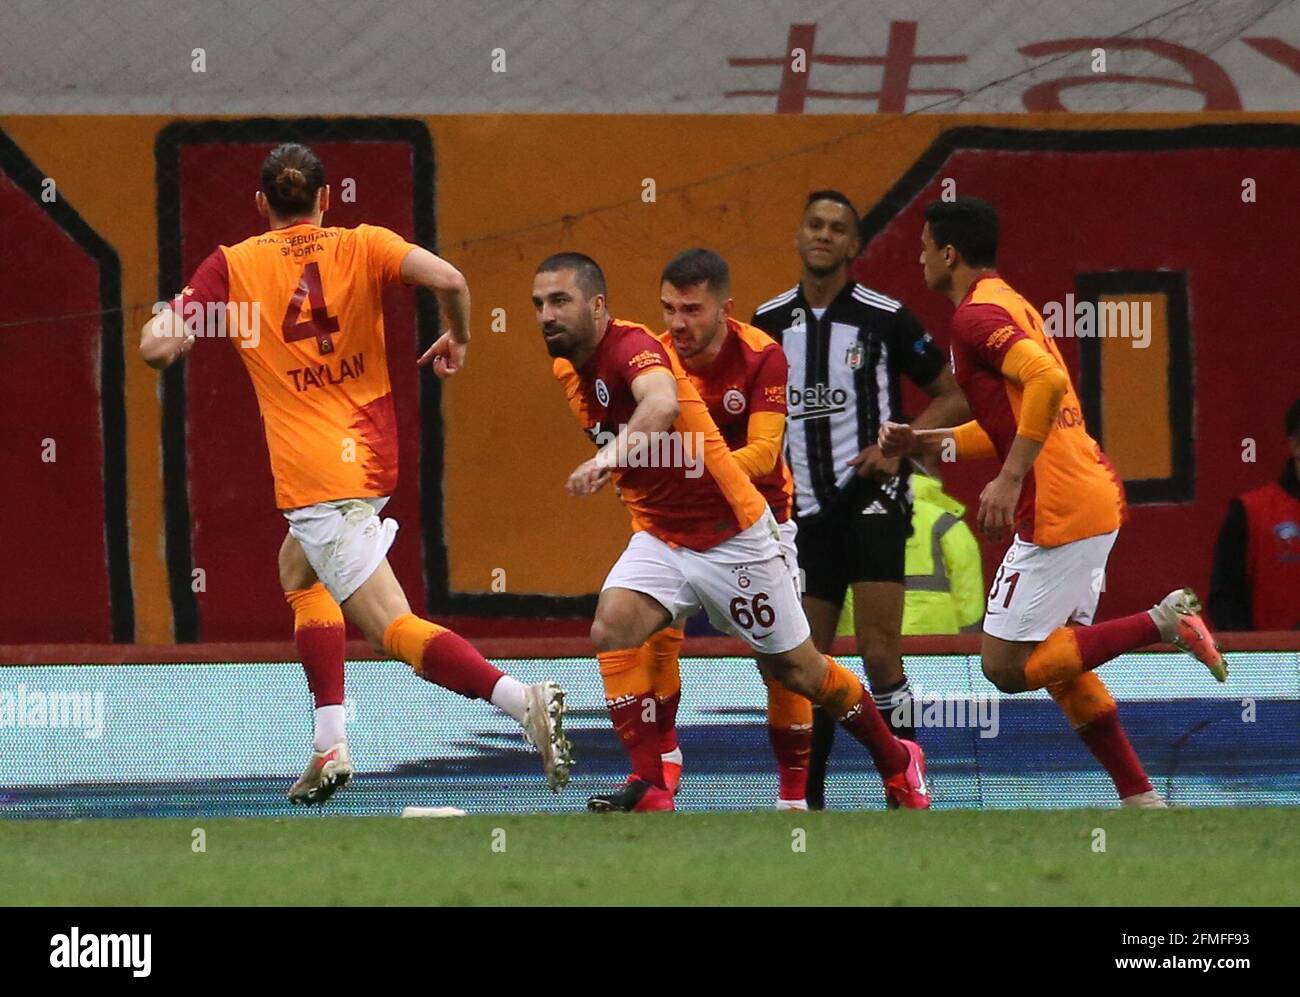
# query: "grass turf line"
{"points": [[1210, 856]]}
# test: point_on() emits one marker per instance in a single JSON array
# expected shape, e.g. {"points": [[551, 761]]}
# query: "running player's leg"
{"points": [[346, 544], [643, 593], [662, 653], [878, 627], [825, 582], [379, 609], [789, 715], [319, 634], [744, 585]]}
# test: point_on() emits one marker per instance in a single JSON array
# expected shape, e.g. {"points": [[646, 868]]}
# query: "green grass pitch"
{"points": [[1210, 856]]}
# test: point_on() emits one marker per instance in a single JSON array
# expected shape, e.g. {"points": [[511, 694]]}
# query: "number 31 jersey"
{"points": [[316, 355]]}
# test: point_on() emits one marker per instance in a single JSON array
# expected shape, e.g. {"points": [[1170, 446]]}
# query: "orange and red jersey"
{"points": [[696, 506], [747, 376], [319, 366], [1072, 491]]}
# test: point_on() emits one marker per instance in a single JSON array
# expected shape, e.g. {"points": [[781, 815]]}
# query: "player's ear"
{"points": [[259, 199], [323, 199], [728, 306]]}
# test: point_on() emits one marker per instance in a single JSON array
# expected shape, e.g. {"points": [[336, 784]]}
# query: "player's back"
{"points": [[318, 361], [1072, 491]]}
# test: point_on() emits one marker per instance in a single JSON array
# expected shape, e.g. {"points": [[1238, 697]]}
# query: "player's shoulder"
{"points": [[563, 370], [773, 310], [633, 337], [872, 300], [751, 338]]}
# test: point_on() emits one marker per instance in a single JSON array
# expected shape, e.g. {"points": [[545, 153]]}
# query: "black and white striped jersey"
{"points": [[844, 380]]}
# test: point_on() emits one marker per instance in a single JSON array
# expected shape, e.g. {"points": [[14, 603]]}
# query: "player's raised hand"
{"points": [[998, 506], [871, 463], [446, 355], [896, 439], [589, 478]]}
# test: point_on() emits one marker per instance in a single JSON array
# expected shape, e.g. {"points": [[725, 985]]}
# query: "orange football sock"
{"points": [[318, 631], [1057, 659], [633, 710], [789, 728], [660, 654], [840, 692], [1092, 712], [441, 656]]}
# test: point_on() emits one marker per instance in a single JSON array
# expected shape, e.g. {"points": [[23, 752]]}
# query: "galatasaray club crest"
{"points": [[734, 401], [602, 393], [855, 357]]}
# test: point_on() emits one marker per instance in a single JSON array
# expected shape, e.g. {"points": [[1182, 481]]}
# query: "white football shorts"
{"points": [[747, 584], [345, 541], [1038, 589]]}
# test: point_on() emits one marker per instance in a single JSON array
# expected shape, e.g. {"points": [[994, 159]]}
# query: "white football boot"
{"points": [[544, 729], [327, 772], [1150, 800], [1177, 616]]}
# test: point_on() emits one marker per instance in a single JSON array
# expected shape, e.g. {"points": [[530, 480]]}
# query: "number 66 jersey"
{"points": [[303, 308]]}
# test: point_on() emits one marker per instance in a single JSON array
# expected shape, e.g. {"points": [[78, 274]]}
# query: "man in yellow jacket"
{"points": [[945, 573]]}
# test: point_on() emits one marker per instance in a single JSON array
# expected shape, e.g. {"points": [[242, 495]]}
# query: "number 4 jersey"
{"points": [[316, 353]]}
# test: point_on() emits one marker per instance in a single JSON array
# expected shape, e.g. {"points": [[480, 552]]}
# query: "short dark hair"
{"points": [[586, 271], [1293, 419], [832, 195], [291, 176], [967, 224], [698, 266]]}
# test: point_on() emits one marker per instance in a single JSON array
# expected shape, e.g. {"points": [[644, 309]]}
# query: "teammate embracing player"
{"points": [[320, 372], [740, 373], [1057, 492], [704, 537]]}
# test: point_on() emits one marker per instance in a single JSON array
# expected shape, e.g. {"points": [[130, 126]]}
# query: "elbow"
{"points": [[453, 282]]}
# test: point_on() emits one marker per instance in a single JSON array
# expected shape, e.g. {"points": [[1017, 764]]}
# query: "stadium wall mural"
{"points": [[179, 540]]}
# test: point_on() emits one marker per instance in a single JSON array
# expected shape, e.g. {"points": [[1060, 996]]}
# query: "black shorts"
{"points": [[861, 539]]}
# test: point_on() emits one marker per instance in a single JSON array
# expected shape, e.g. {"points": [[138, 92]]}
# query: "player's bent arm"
{"points": [[948, 405], [424, 269], [1043, 384], [656, 410], [764, 434], [164, 340]]}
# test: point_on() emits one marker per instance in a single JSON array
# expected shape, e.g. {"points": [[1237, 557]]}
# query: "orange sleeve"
{"points": [[386, 249], [1043, 382], [972, 442], [762, 448]]}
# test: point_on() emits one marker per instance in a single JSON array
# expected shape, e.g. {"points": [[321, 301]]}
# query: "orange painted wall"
{"points": [[511, 190]]}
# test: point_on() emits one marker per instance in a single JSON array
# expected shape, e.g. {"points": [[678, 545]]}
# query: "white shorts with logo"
{"points": [[747, 585], [1038, 589], [345, 541]]}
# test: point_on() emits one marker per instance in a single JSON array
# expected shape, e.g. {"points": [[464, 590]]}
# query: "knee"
{"points": [[1006, 679], [604, 636]]}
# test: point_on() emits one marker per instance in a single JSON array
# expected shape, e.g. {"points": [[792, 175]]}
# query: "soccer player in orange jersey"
{"points": [[1056, 491], [740, 373], [316, 356], [704, 536]]}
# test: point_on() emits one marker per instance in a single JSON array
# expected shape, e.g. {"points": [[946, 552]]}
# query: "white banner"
{"points": [[628, 57]]}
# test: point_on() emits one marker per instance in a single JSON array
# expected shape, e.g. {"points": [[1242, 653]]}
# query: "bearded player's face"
{"points": [[694, 317], [565, 315], [827, 238]]}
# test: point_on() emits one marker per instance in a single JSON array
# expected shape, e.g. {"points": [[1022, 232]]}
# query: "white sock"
{"points": [[673, 757], [510, 695], [331, 723]]}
